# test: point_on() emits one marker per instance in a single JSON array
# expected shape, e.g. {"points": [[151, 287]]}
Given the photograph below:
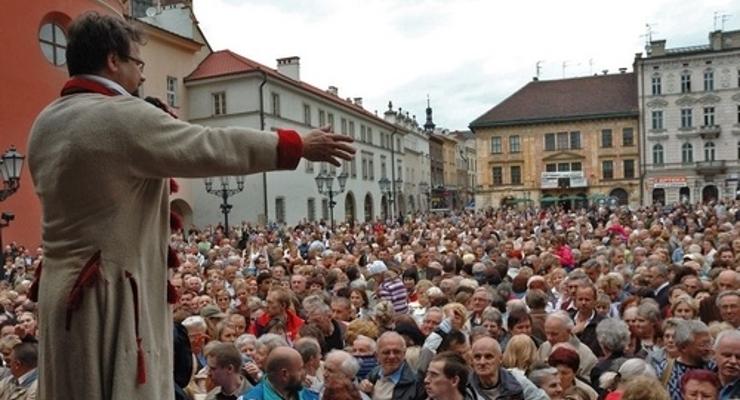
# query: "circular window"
{"points": [[53, 43]]}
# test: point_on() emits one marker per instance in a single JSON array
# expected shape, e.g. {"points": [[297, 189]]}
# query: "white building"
{"points": [[230, 90], [689, 101]]}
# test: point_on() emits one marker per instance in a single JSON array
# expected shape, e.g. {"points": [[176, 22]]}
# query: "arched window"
{"points": [[658, 154], [687, 153], [709, 151], [53, 42]]}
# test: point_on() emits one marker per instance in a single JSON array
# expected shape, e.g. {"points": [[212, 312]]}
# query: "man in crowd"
{"points": [[22, 384], [447, 378], [728, 303], [694, 345], [558, 329], [727, 357], [586, 318], [393, 378], [278, 307], [318, 313], [283, 378], [481, 299], [224, 370], [489, 379]]}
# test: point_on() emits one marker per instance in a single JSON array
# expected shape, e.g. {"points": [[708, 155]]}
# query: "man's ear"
{"points": [[112, 62]]}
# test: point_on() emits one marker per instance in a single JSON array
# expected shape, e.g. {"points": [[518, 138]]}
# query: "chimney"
{"points": [[605, 71], [333, 90], [358, 101], [290, 67], [622, 70], [656, 48], [715, 40]]}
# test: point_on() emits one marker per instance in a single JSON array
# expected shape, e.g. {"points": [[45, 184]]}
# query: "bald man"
{"points": [[393, 378], [726, 280], [284, 378], [489, 379]]}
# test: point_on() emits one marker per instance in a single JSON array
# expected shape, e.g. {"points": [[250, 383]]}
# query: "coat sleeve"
{"points": [[155, 145]]}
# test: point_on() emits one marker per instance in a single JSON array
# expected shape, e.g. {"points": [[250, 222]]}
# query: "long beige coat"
{"points": [[99, 166]]}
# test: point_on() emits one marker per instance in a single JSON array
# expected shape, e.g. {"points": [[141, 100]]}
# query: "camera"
{"points": [[7, 216]]}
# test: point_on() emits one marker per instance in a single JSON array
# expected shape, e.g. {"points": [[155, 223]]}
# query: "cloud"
{"points": [[467, 54]]}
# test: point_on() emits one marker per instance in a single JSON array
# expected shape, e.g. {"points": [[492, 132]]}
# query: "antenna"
{"points": [[648, 35], [565, 65], [724, 18], [590, 66], [538, 68]]}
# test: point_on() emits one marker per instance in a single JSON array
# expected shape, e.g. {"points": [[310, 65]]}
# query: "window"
{"points": [[549, 141], [364, 168], [398, 144], [53, 43], [516, 175], [687, 118], [514, 145], [330, 118], [563, 141], [311, 206], [686, 82], [280, 209], [307, 114], [709, 151], [563, 167], [171, 91], [629, 169], [738, 114], [371, 168], [656, 86], [606, 138], [352, 129], [353, 167], [363, 133], [628, 137], [343, 126], [219, 103], [708, 80], [708, 116], [607, 169], [276, 104], [496, 145], [658, 154], [322, 118], [687, 153], [551, 167], [370, 135], [657, 120], [576, 166], [575, 140], [324, 209], [383, 169], [309, 166], [498, 176]]}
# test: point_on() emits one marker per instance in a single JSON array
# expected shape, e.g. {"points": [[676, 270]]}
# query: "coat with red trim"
{"points": [[100, 166]]}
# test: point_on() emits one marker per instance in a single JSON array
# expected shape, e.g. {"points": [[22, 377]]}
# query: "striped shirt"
{"points": [[394, 291]]}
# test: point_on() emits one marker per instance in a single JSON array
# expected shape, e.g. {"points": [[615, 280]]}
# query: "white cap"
{"points": [[377, 267]]}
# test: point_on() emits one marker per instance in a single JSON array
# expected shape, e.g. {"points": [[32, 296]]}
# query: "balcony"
{"points": [[709, 132], [709, 168]]}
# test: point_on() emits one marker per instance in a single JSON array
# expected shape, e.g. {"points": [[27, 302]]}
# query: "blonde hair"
{"points": [[645, 388], [455, 308], [361, 327], [521, 352], [689, 301]]}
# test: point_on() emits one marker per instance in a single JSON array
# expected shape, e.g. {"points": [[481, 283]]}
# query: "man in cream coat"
{"points": [[100, 159]]}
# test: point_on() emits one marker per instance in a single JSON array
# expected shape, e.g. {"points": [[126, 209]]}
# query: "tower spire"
{"points": [[429, 125]]}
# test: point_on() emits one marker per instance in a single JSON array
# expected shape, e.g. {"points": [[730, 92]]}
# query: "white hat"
{"points": [[377, 267]]}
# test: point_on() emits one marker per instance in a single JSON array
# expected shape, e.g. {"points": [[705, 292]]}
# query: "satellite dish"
{"points": [[151, 12]]}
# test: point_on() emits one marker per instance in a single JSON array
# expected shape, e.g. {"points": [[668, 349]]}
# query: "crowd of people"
{"points": [[525, 303]]}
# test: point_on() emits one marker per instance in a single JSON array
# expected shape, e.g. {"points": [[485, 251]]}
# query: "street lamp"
{"points": [[325, 186], [385, 188], [424, 188], [224, 193], [11, 165], [397, 186]]}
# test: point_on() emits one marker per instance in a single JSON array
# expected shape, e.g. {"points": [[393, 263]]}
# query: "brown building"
{"points": [[568, 141]]}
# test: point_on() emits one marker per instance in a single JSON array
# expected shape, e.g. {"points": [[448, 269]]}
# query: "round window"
{"points": [[53, 43]]}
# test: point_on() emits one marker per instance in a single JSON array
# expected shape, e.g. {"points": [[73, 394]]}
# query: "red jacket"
{"points": [[292, 324]]}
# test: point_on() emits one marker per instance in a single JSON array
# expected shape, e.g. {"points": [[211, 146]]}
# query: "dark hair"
{"points": [[564, 356], [455, 365], [516, 317], [92, 37], [411, 274], [454, 337], [362, 294], [226, 354], [27, 354]]}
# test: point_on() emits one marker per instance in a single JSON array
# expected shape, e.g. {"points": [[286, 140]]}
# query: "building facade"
{"points": [[563, 142], [230, 90], [689, 101]]}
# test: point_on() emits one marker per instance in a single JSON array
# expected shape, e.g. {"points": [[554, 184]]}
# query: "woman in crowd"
{"points": [[700, 384], [566, 360], [615, 383], [546, 378]]}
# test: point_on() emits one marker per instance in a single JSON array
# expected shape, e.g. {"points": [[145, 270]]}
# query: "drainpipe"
{"points": [[262, 127], [642, 133], [393, 171]]}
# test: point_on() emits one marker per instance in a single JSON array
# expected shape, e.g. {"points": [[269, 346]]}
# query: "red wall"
{"points": [[29, 83]]}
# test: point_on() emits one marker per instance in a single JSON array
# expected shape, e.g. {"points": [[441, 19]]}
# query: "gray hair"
{"points": [[271, 341], [649, 311], [732, 334], [613, 334], [687, 330], [538, 376], [315, 303], [369, 340], [244, 339], [349, 365], [492, 314], [564, 318], [630, 369], [725, 294], [194, 322], [308, 347]]}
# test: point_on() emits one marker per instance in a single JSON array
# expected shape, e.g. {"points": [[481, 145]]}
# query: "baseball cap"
{"points": [[376, 267], [211, 311]]}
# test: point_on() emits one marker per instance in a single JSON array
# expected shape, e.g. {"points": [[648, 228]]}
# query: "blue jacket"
{"points": [[258, 393]]}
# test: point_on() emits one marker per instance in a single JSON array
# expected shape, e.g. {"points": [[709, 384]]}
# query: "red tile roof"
{"points": [[572, 99], [226, 62]]}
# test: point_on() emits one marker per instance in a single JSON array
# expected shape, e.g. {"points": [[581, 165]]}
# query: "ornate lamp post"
{"points": [[424, 189], [11, 166], [325, 186], [224, 193], [385, 188]]}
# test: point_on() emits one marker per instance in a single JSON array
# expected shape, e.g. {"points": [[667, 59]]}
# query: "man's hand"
{"points": [[366, 386], [323, 145]]}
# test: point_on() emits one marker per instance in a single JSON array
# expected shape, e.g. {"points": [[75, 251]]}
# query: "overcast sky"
{"points": [[467, 55]]}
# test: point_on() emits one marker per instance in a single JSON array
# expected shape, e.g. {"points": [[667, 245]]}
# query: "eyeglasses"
{"points": [[139, 63]]}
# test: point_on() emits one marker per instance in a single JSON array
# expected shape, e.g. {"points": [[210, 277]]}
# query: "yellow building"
{"points": [[570, 142]]}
